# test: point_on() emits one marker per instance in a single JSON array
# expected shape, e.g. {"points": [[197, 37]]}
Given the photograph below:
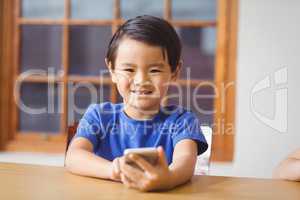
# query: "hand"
{"points": [[116, 172], [150, 177]]}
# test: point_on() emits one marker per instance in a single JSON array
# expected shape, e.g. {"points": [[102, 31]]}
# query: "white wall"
{"points": [[269, 39]]}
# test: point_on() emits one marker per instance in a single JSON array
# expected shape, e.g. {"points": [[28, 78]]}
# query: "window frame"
{"points": [[225, 66]]}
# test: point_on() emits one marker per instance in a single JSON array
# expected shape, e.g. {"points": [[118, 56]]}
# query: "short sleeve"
{"points": [[188, 127], [89, 125]]}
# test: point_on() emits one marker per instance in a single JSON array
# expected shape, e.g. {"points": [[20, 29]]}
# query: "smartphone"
{"points": [[150, 154]]}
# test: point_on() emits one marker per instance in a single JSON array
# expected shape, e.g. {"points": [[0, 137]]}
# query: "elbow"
{"points": [[285, 175], [277, 175], [70, 167], [288, 170], [68, 162], [73, 162]]}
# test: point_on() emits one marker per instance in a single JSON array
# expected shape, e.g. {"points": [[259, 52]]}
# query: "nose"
{"points": [[141, 77]]}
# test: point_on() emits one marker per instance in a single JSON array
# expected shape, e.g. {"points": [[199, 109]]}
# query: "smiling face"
{"points": [[142, 75]]}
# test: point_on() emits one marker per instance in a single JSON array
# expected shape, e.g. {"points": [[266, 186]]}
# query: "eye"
{"points": [[155, 70], [128, 70]]}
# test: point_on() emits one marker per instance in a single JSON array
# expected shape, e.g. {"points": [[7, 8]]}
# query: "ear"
{"points": [[111, 71], [175, 75]]}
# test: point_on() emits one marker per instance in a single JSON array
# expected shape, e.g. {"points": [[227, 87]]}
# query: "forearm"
{"points": [[288, 169], [184, 161], [181, 171], [82, 162]]}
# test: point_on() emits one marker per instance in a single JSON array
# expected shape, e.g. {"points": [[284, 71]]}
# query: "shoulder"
{"points": [[178, 113]]}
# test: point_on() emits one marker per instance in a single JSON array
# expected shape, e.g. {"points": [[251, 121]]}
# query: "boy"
{"points": [[143, 59]]}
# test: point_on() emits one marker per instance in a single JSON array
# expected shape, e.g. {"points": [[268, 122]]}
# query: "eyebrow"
{"points": [[128, 64], [159, 64]]}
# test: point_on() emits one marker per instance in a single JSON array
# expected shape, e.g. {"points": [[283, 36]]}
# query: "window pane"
{"points": [[92, 9], [133, 8], [53, 9], [81, 95], [40, 111], [198, 52], [88, 46], [194, 9], [193, 98], [40, 47]]}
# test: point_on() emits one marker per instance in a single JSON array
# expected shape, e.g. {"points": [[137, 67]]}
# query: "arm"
{"points": [[81, 160], [184, 161], [289, 168]]}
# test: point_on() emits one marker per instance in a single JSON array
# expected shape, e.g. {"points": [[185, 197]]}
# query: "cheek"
{"points": [[162, 86], [123, 84]]}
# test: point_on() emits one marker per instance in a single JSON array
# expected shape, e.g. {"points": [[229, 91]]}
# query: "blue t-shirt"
{"points": [[111, 131]]}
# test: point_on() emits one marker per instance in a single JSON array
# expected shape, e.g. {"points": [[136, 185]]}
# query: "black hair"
{"points": [[150, 30]]}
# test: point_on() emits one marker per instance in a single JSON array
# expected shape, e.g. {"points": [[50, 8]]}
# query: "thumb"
{"points": [[162, 160]]}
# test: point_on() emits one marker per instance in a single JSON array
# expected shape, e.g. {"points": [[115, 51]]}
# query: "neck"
{"points": [[138, 114]]}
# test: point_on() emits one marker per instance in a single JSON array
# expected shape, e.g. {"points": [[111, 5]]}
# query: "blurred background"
{"points": [[240, 58]]}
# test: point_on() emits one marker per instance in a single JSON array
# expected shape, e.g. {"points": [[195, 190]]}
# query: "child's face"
{"points": [[142, 75]]}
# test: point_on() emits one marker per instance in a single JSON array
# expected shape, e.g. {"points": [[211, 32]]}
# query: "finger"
{"points": [[127, 182], [162, 160], [132, 172], [142, 163]]}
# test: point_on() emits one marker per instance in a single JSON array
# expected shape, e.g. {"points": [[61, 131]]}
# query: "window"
{"points": [[64, 42]]}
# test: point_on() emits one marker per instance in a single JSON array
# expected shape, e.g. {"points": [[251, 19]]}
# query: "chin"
{"points": [[145, 108]]}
